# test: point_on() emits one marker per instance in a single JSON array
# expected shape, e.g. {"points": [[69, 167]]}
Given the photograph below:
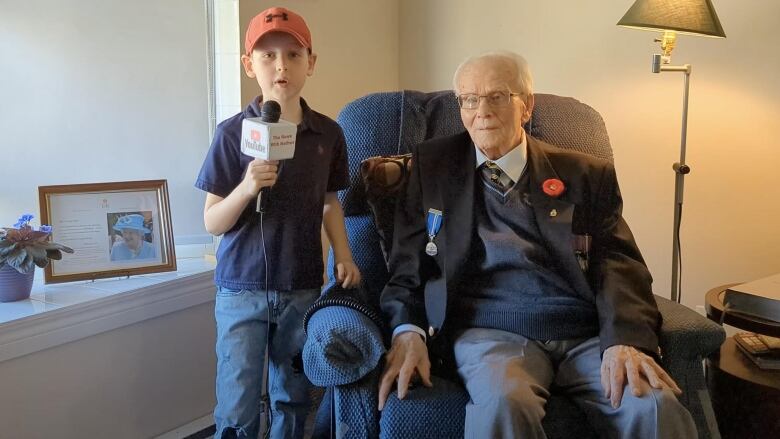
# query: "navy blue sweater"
{"points": [[512, 283]]}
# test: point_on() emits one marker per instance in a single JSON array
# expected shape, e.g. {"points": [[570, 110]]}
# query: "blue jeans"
{"points": [[242, 319]]}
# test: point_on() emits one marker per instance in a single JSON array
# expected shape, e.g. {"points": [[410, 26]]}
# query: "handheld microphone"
{"points": [[269, 138]]}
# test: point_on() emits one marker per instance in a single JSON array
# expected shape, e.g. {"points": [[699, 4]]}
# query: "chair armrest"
{"points": [[686, 334], [356, 408], [342, 346]]}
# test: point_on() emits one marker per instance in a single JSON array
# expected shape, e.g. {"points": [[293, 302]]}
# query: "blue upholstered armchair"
{"points": [[346, 340]]}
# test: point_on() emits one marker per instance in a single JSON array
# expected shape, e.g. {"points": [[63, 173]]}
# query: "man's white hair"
{"points": [[523, 79]]}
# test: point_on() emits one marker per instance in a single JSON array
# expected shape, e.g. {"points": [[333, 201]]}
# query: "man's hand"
{"points": [[348, 274], [408, 357], [621, 362]]}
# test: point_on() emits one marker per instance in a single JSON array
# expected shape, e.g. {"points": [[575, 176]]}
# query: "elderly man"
{"points": [[484, 238]]}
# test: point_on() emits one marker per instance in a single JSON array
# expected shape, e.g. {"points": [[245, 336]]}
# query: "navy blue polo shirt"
{"points": [[293, 216]]}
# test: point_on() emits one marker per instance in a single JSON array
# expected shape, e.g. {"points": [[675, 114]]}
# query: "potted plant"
{"points": [[21, 249]]}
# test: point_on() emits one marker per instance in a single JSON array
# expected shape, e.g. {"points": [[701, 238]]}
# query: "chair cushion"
{"points": [[432, 413]]}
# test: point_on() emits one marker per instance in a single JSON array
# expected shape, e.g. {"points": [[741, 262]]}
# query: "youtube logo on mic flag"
{"points": [[268, 140]]}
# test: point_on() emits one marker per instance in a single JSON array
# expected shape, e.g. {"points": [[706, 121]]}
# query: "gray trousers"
{"points": [[508, 378]]}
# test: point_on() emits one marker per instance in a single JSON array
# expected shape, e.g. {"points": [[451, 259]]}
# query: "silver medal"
{"points": [[431, 249]]}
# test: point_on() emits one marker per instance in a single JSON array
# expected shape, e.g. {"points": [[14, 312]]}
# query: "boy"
{"points": [[284, 241]]}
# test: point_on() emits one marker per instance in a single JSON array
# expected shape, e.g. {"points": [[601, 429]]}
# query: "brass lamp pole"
{"points": [[695, 17]]}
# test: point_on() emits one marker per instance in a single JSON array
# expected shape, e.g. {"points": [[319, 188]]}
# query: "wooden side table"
{"points": [[746, 399], [714, 306]]}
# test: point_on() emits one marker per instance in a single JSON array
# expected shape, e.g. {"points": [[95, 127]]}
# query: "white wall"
{"points": [[103, 90], [732, 196], [134, 382], [356, 42], [227, 50]]}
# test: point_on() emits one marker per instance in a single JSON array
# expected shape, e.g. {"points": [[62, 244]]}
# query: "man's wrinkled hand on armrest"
{"points": [[406, 360]]}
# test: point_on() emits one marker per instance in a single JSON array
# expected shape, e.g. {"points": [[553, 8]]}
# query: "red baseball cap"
{"points": [[277, 20]]}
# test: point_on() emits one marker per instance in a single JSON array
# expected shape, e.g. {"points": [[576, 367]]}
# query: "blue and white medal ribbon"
{"points": [[433, 224]]}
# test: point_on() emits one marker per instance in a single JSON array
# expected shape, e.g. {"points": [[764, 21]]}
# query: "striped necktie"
{"points": [[494, 176]]}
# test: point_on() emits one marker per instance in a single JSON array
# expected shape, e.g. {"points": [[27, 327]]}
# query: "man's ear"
{"points": [[529, 108], [312, 62], [246, 60]]}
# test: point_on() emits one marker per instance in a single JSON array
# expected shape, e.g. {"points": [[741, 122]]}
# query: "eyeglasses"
{"points": [[496, 99]]}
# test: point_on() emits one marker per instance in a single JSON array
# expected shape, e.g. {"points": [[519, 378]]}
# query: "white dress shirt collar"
{"points": [[511, 163]]}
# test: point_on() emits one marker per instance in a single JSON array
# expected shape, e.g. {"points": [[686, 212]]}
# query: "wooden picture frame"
{"points": [[116, 229]]}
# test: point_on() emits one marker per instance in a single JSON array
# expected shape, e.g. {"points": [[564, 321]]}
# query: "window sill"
{"points": [[61, 313]]}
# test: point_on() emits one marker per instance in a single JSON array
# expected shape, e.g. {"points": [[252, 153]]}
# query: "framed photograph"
{"points": [[116, 229]]}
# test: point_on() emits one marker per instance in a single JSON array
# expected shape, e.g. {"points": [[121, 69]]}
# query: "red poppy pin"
{"points": [[553, 187]]}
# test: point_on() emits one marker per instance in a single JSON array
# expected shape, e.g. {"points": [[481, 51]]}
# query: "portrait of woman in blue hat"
{"points": [[133, 244]]}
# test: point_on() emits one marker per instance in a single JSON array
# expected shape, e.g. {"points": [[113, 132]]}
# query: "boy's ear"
{"points": [[246, 60], [312, 62]]}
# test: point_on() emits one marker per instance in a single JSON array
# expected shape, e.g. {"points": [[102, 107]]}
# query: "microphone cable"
{"points": [[264, 397]]}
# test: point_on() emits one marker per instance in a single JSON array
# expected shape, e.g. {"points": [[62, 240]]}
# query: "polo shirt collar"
{"points": [[309, 121]]}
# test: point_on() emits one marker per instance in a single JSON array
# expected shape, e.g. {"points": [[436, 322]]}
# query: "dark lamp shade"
{"points": [[696, 17]]}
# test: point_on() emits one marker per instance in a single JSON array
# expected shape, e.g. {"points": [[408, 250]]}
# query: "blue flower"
{"points": [[23, 220], [44, 228]]}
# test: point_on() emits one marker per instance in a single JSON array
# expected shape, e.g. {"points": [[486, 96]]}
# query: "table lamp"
{"points": [[694, 17]]}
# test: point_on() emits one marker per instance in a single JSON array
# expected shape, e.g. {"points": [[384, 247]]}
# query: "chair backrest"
{"points": [[383, 124]]}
